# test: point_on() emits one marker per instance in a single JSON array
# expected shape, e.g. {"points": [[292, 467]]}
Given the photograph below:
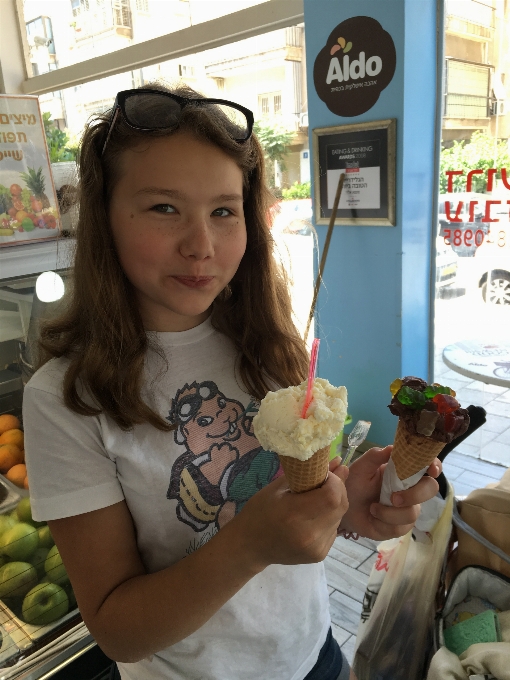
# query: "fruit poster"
{"points": [[28, 202]]}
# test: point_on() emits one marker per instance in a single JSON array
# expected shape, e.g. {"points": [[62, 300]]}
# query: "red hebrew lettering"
{"points": [[472, 210], [487, 217], [457, 217], [450, 174], [491, 172], [504, 178], [469, 183]]}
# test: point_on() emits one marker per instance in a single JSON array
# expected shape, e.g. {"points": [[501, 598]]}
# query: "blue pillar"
{"points": [[374, 309]]}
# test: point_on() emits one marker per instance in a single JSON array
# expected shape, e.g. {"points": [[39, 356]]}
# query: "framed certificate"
{"points": [[365, 153]]}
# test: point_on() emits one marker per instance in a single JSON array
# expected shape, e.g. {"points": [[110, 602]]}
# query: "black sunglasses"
{"points": [[156, 110]]}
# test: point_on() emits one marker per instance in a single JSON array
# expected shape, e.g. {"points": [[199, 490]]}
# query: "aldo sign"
{"points": [[353, 68]]}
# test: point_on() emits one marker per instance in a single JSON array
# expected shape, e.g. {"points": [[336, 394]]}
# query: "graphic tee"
{"points": [[181, 487]]}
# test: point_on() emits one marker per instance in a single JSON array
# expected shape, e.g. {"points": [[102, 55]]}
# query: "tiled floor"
{"points": [[349, 563]]}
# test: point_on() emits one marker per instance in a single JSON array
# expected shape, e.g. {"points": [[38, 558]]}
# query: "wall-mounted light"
{"points": [[49, 287]]}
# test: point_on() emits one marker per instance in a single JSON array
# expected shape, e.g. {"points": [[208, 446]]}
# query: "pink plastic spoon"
{"points": [[311, 376]]}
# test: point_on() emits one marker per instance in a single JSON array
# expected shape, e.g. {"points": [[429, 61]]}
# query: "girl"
{"points": [[188, 556]]}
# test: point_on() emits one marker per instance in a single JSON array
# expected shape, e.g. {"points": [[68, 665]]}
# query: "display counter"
{"points": [[41, 630]]}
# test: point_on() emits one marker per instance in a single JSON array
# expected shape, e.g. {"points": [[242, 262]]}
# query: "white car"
{"points": [[446, 263], [491, 263]]}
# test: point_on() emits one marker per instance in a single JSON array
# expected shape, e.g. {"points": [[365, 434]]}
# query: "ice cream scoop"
{"points": [[429, 417], [302, 444]]}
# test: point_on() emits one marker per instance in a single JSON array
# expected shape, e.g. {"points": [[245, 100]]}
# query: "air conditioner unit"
{"points": [[303, 120], [498, 107]]}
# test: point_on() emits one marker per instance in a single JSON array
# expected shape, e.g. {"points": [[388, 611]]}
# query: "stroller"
{"points": [[406, 610]]}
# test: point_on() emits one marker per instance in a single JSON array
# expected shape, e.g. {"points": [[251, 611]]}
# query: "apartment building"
{"points": [[477, 69], [265, 73]]}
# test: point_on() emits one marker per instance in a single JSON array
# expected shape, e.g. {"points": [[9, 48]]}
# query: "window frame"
{"points": [[252, 21]]}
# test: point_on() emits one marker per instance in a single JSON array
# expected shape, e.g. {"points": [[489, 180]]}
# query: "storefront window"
{"points": [[84, 29], [472, 306], [264, 73]]}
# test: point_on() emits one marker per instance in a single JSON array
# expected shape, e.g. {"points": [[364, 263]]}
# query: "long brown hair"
{"points": [[101, 331]]}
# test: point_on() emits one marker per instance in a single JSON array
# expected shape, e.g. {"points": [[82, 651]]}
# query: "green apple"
{"points": [[20, 541], [16, 579], [6, 523], [71, 596], [45, 603], [24, 512], [45, 537], [38, 559], [54, 567]]}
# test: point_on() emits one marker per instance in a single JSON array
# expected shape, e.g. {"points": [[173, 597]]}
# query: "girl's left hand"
{"points": [[369, 518]]}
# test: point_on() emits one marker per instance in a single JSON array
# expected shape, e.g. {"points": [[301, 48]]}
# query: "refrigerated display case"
{"points": [[42, 634]]}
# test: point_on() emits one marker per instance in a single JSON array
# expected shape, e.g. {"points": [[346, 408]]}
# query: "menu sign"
{"points": [[28, 202]]}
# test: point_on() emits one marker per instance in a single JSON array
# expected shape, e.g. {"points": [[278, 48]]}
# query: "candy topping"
{"points": [[410, 397]]}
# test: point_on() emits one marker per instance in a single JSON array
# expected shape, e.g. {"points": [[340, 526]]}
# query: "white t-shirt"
{"points": [[180, 488]]}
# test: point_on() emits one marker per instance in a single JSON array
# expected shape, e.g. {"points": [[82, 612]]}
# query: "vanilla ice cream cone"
{"points": [[305, 475], [411, 453]]}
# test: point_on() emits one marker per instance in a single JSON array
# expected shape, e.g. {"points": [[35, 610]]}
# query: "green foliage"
{"points": [[58, 142], [275, 143], [481, 152], [297, 191]]}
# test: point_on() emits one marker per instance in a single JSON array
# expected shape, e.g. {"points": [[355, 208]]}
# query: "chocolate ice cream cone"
{"points": [[411, 453], [305, 475]]}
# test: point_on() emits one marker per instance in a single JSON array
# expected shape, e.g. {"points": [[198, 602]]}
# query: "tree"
{"points": [[59, 146], [480, 153], [275, 142]]}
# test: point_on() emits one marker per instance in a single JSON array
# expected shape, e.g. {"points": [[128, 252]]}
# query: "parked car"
{"points": [[464, 236], [446, 264], [491, 263]]}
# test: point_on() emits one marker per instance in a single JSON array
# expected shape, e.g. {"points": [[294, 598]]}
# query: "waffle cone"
{"points": [[305, 475], [411, 453]]}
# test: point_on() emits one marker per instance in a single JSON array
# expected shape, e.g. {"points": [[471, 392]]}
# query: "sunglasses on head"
{"points": [[157, 110]]}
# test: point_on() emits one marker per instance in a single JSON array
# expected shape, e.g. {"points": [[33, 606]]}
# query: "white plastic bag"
{"points": [[393, 643]]}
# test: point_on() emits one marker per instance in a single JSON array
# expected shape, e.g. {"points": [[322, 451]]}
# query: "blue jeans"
{"points": [[331, 664]]}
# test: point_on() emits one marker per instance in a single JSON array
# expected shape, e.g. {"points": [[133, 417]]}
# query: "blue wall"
{"points": [[373, 312]]}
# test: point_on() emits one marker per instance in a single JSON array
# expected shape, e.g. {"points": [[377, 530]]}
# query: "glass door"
{"points": [[472, 306]]}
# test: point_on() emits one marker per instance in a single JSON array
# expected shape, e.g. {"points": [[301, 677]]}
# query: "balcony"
{"points": [[467, 99], [252, 54], [95, 17], [471, 19]]}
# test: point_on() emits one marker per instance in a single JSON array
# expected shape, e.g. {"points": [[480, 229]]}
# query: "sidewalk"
{"points": [[491, 442]]}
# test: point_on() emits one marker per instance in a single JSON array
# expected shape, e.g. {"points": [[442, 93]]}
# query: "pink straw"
{"points": [[311, 376]]}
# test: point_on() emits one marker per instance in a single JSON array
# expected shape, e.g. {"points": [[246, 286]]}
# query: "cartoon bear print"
{"points": [[223, 464]]}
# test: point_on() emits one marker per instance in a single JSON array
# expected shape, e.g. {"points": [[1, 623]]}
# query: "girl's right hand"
{"points": [[292, 528]]}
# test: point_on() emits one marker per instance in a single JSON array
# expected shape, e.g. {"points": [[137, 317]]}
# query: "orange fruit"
{"points": [[8, 422], [13, 437], [9, 455], [25, 483], [17, 474]]}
